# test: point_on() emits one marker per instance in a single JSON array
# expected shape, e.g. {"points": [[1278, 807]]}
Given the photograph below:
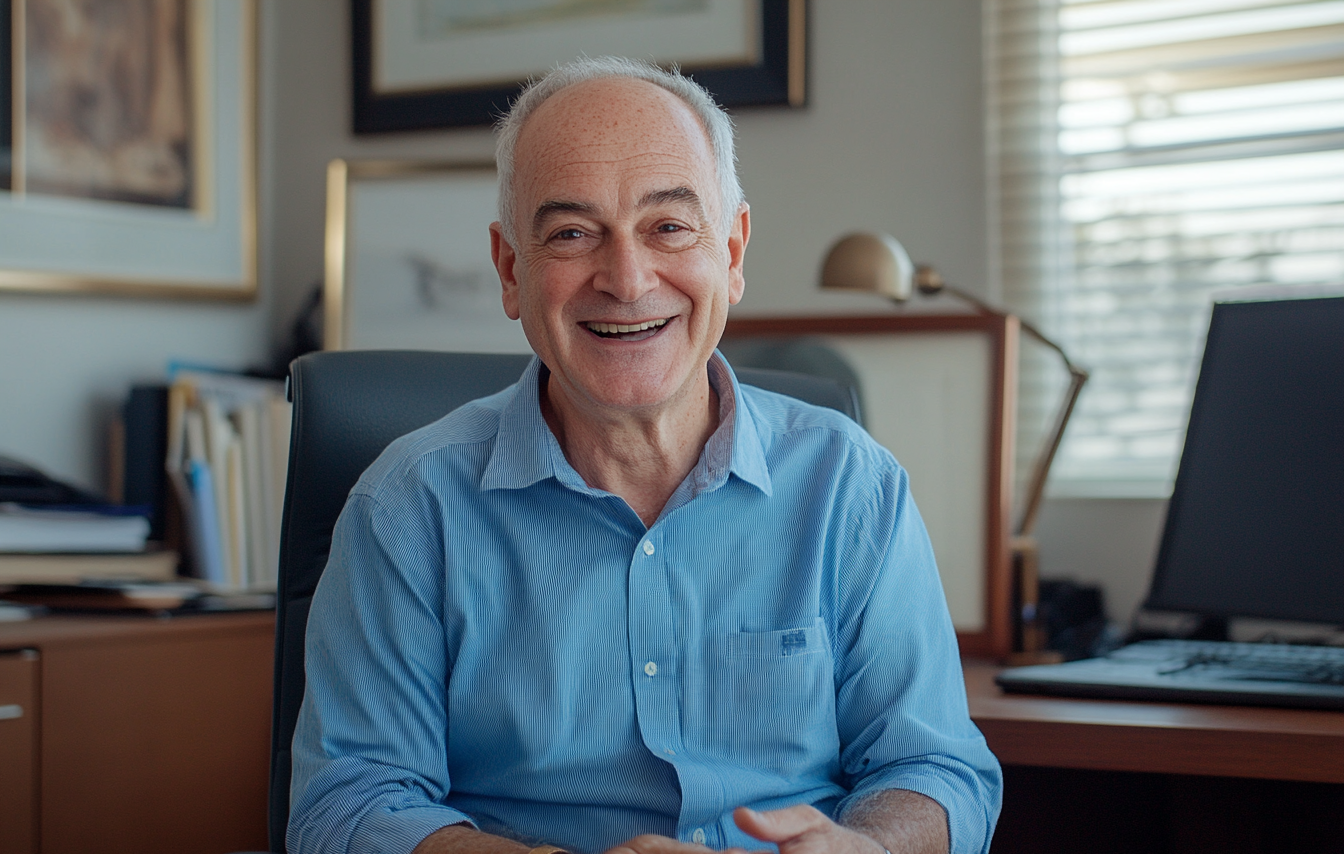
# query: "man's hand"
{"points": [[804, 830], [902, 821]]}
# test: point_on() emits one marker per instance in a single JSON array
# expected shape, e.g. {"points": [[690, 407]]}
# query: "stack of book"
{"points": [[227, 456], [70, 544]]}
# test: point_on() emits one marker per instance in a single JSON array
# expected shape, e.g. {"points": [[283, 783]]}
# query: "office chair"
{"points": [[348, 406]]}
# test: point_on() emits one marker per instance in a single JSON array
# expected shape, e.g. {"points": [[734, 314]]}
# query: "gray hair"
{"points": [[717, 124]]}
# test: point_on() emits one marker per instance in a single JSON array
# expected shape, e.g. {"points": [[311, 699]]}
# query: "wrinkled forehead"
{"points": [[608, 128]]}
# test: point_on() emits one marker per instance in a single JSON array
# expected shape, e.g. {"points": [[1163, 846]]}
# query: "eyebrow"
{"points": [[675, 196], [546, 210]]}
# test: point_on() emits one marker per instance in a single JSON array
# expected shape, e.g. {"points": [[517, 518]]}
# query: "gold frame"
{"points": [[337, 243], [91, 280]]}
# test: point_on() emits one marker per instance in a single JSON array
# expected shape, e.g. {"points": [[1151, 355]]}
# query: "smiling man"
{"points": [[629, 604]]}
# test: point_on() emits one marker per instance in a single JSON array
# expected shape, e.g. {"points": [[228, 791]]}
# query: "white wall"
{"points": [[66, 362], [1111, 542]]}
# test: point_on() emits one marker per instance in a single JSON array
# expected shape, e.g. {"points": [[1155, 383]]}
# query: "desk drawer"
{"points": [[18, 751]]}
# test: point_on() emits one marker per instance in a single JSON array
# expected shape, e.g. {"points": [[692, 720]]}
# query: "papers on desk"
{"points": [[71, 529]]}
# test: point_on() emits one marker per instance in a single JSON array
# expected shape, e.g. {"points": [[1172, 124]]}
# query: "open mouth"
{"points": [[627, 331]]}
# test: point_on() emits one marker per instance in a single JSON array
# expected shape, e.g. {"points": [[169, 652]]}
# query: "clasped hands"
{"points": [[798, 829]]}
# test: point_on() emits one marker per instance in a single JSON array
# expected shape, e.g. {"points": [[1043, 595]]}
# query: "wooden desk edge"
{"points": [[1166, 738], [56, 630]]}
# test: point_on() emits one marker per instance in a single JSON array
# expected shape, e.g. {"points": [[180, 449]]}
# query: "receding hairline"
{"points": [[686, 117], [713, 121]]}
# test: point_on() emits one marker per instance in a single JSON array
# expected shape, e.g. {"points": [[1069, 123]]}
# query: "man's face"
{"points": [[622, 275]]}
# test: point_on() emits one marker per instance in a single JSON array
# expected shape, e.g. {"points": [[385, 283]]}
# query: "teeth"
{"points": [[612, 328]]}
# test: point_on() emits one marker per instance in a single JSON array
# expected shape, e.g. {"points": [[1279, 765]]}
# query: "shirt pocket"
{"points": [[771, 701]]}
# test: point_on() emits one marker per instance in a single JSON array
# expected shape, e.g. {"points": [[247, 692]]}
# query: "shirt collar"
{"points": [[526, 451]]}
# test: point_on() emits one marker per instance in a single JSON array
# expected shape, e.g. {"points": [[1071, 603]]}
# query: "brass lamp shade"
{"points": [[876, 263]]}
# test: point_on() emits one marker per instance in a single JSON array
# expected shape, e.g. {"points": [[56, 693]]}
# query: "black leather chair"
{"points": [[348, 406]]}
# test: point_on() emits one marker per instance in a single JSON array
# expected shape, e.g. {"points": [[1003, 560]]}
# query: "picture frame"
{"points": [[200, 244], [939, 392], [408, 258], [413, 75]]}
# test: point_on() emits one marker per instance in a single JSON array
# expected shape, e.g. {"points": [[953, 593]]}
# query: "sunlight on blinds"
{"points": [[1153, 155]]}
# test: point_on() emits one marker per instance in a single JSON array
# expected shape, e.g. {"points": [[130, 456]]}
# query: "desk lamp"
{"points": [[878, 263]]}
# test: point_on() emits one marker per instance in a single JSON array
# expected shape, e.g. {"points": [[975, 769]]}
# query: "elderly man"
{"points": [[628, 604]]}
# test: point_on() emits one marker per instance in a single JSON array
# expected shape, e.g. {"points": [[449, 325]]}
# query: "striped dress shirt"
{"points": [[496, 642]]}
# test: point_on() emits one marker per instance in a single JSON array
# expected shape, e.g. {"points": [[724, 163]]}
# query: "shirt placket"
{"points": [[656, 670]]}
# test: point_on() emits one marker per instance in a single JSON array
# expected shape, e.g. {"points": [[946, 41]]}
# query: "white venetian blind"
{"points": [[1151, 155]]}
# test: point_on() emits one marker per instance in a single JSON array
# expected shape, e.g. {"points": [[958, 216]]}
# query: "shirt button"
{"points": [[669, 751], [651, 669], [648, 547], [698, 837]]}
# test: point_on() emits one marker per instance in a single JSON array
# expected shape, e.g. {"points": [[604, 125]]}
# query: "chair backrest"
{"points": [[348, 406]]}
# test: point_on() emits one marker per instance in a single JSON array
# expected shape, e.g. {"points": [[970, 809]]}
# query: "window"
{"points": [[1152, 156]]}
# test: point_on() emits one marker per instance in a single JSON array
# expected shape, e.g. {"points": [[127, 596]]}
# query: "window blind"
{"points": [[1151, 156]]}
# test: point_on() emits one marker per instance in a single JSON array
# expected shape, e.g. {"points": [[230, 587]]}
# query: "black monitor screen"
{"points": [[1255, 527]]}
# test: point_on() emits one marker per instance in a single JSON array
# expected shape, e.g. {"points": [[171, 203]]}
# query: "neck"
{"points": [[642, 456]]}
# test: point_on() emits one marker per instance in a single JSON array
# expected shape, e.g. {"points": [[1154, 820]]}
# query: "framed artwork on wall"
{"points": [[938, 392], [127, 153], [440, 63], [408, 259]]}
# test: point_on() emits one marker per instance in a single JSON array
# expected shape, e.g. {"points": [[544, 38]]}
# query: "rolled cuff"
{"points": [[971, 806], [399, 831]]}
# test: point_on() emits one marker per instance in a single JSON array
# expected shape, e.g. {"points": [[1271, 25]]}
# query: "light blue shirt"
{"points": [[495, 641]]}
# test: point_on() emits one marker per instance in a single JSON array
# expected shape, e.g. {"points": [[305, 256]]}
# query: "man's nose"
{"points": [[627, 271]]}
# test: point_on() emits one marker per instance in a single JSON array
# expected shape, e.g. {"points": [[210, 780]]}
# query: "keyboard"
{"points": [[1264, 674]]}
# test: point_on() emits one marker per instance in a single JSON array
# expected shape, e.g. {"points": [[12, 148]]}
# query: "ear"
{"points": [[504, 258], [738, 236]]}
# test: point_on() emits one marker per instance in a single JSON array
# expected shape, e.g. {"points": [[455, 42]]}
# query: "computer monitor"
{"points": [[1255, 526]]}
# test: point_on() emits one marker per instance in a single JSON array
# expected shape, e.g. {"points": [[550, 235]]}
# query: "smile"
{"points": [[623, 329]]}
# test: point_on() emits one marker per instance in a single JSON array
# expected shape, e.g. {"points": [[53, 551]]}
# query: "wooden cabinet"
{"points": [[135, 733], [18, 751]]}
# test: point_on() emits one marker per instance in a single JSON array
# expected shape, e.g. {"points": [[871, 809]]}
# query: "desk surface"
{"points": [[73, 630], [1165, 738]]}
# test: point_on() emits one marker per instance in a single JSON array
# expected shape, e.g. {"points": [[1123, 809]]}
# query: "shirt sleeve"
{"points": [[369, 755], [901, 699]]}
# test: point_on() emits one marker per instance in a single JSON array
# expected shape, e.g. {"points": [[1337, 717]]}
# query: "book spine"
{"points": [[207, 542], [145, 443]]}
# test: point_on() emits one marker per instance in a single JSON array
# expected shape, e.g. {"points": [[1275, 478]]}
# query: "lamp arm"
{"points": [[1078, 376], [1026, 325], [1040, 470]]}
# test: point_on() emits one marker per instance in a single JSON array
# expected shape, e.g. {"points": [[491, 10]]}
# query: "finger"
{"points": [[779, 825]]}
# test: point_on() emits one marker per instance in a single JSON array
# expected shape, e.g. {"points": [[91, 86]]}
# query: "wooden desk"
{"points": [[1165, 738], [1101, 775], [138, 734]]}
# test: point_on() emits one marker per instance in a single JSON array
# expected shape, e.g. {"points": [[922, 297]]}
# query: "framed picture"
{"points": [[446, 63], [938, 391], [127, 153], [408, 259]]}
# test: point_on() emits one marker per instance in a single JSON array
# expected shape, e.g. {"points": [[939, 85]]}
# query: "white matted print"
{"points": [[157, 197], [452, 44], [408, 259]]}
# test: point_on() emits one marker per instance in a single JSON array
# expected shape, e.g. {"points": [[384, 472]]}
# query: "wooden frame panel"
{"points": [[987, 631]]}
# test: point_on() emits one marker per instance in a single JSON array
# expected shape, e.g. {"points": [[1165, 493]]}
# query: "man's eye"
{"points": [[671, 227], [568, 234]]}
